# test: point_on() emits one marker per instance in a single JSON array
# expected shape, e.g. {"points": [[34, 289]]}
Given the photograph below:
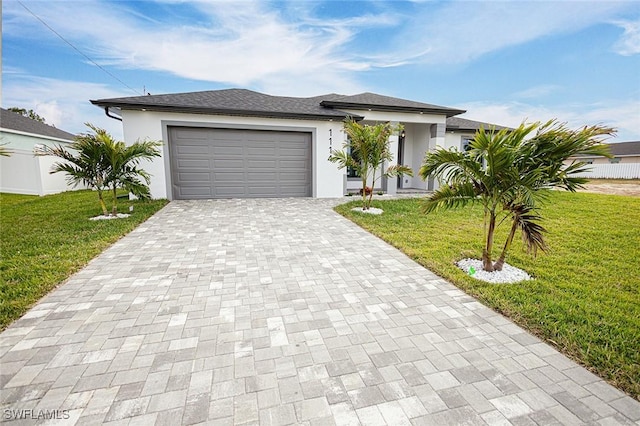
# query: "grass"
{"points": [[585, 299], [46, 239]]}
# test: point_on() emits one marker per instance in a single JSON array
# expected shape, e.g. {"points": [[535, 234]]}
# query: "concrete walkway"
{"points": [[280, 312]]}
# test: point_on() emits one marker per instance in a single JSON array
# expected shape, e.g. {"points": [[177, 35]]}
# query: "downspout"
{"points": [[106, 111]]}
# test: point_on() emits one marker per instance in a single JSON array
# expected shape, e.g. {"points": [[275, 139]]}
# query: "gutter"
{"points": [[221, 111], [108, 114]]}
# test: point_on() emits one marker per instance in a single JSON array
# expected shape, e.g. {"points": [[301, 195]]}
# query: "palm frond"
{"points": [[527, 220], [449, 197], [398, 170]]}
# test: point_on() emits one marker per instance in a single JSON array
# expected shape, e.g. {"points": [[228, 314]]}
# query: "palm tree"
{"points": [[99, 162], [506, 173], [123, 171], [84, 163], [366, 150]]}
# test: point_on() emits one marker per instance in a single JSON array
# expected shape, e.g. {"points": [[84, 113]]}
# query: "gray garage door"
{"points": [[231, 163]]}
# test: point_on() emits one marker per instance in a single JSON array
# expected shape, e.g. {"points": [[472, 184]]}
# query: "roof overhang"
{"points": [[449, 112], [336, 115]]}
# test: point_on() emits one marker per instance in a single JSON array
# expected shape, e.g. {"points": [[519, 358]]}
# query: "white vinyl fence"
{"points": [[613, 171]]}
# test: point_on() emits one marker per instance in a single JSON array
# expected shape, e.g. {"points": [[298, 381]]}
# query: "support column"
{"points": [[390, 185]]}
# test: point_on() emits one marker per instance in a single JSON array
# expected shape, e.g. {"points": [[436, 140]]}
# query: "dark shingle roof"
{"points": [[14, 121], [369, 100], [228, 102], [618, 149], [249, 103], [463, 124], [625, 148]]}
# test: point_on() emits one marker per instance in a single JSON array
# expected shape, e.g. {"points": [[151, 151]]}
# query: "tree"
{"points": [[123, 170], [28, 113], [101, 163], [366, 150], [507, 174]]}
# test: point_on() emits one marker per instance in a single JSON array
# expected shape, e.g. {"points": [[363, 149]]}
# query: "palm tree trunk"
{"points": [[364, 192], [103, 205], [373, 182], [487, 264], [114, 208], [500, 263]]}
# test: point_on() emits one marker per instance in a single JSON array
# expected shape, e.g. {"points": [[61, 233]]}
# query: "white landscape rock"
{"points": [[103, 217], [509, 274], [370, 210]]}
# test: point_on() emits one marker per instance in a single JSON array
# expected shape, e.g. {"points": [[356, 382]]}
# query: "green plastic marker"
{"points": [[472, 271]]}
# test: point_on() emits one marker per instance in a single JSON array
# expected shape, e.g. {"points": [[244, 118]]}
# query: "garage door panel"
{"points": [[257, 177], [186, 177], [287, 177], [183, 133], [239, 163], [261, 151], [262, 164], [227, 150], [291, 164], [230, 176], [228, 163], [231, 191], [187, 192], [262, 191], [193, 163], [193, 150]]}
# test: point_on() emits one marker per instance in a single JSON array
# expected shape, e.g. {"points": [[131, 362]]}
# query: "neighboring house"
{"points": [[238, 143], [625, 163], [623, 152], [22, 172]]}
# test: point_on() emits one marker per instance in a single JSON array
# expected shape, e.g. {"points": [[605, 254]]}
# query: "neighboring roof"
{"points": [[249, 103], [369, 100], [620, 149], [228, 102], [625, 148], [13, 121], [463, 124]]}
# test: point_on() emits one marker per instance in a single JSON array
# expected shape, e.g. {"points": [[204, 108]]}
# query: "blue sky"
{"points": [[502, 61]]}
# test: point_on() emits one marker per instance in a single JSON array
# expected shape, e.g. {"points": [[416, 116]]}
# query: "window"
{"points": [[465, 144], [351, 172]]}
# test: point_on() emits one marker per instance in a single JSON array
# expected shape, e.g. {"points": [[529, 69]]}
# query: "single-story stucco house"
{"points": [[22, 172], [624, 163], [237, 143], [622, 152]]}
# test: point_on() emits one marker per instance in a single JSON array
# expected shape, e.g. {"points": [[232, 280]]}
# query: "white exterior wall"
{"points": [[20, 173], [327, 180], [452, 140], [24, 173]]}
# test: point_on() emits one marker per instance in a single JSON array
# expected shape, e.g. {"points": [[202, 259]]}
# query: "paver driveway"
{"points": [[281, 312]]}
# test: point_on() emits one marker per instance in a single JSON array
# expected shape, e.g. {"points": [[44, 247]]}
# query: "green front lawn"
{"points": [[46, 239], [585, 298]]}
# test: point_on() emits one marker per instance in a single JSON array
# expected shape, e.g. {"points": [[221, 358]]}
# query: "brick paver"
{"points": [[280, 312]]}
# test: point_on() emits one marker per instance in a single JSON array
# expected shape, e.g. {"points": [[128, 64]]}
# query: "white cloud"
{"points": [[462, 31], [244, 44], [64, 104], [629, 42], [621, 115], [262, 44]]}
